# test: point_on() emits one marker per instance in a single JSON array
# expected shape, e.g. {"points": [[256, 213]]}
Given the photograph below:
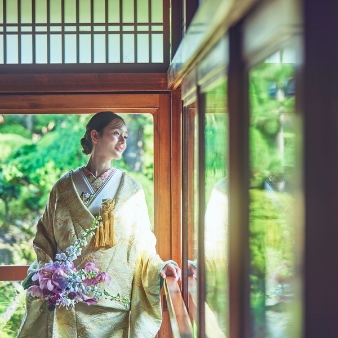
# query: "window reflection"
{"points": [[272, 203], [216, 215]]}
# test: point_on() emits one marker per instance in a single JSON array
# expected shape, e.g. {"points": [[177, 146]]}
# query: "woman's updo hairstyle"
{"points": [[98, 122]]}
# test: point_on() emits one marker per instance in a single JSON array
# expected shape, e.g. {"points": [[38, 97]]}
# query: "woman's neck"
{"points": [[97, 167]]}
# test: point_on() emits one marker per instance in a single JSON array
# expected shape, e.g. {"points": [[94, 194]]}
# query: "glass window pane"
{"points": [[113, 11], [12, 49], [12, 11], [156, 28], [99, 28], [273, 228], [99, 11], [85, 47], [26, 11], [41, 48], [41, 29], [26, 29], [1, 11], [128, 28], [56, 48], [11, 29], [26, 49], [2, 49], [142, 48], [70, 48], [84, 11], [128, 48], [142, 11], [128, 11], [114, 48], [70, 28], [55, 28], [156, 10], [191, 120], [99, 48], [85, 28], [216, 214], [70, 11], [40, 11], [156, 48], [55, 11]]}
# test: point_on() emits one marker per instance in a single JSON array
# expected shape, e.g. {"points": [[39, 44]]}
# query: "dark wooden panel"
{"points": [[319, 103], [238, 188], [85, 82], [75, 103], [13, 272]]}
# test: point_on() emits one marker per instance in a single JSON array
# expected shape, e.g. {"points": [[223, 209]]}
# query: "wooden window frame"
{"points": [[122, 93]]}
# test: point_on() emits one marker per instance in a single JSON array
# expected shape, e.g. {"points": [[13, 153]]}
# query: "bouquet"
{"points": [[61, 284]]}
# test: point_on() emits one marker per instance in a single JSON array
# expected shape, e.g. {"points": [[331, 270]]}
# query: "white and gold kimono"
{"points": [[132, 264]]}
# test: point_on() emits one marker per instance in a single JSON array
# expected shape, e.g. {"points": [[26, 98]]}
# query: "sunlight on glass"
{"points": [[128, 48], [85, 48], [142, 11], [216, 214], [40, 11], [56, 48], [12, 11], [1, 12], [70, 48], [41, 48], [26, 45], [1, 49], [70, 11], [99, 11], [99, 48], [114, 48], [26, 11], [135, 16], [156, 11], [128, 11], [12, 49], [142, 48], [55, 11], [84, 11], [157, 48], [113, 11]]}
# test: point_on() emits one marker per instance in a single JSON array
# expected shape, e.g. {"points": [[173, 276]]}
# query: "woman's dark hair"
{"points": [[98, 122]]}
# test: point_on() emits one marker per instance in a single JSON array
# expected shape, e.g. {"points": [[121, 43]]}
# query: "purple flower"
{"points": [[105, 277], [35, 291], [59, 278], [88, 300], [91, 266]]}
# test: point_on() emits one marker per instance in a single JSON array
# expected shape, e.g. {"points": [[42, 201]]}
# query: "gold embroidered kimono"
{"points": [[132, 264]]}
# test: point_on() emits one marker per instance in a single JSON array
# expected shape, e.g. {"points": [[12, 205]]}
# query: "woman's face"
{"points": [[112, 141]]}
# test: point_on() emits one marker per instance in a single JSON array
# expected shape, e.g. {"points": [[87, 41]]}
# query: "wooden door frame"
{"points": [[43, 94]]}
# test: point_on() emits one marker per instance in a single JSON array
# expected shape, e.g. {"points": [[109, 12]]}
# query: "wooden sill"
{"points": [[179, 318], [13, 272]]}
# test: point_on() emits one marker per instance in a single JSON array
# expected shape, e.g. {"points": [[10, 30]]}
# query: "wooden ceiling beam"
{"points": [[83, 82]]}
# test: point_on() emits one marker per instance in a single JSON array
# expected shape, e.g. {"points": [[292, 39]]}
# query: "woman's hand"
{"points": [[171, 270]]}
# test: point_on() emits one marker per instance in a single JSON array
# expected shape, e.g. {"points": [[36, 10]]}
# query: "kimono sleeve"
{"points": [[146, 312], [44, 242]]}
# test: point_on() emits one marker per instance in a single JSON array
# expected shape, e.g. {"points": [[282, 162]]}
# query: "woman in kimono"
{"points": [[123, 247]]}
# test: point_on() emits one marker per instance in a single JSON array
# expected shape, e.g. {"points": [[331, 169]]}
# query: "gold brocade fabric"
{"points": [[132, 263]]}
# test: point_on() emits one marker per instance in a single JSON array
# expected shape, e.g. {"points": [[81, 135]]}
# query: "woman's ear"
{"points": [[95, 136]]}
